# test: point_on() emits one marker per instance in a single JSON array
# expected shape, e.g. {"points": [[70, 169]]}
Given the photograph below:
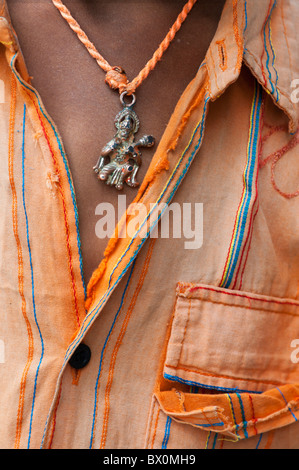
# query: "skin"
{"points": [[72, 87]]}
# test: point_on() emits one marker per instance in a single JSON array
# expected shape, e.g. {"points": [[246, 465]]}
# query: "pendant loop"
{"points": [[122, 96]]}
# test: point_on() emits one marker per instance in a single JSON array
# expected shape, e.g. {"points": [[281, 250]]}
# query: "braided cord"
{"points": [[115, 77]]}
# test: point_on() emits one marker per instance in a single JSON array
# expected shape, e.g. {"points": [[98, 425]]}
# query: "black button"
{"points": [[81, 357]]}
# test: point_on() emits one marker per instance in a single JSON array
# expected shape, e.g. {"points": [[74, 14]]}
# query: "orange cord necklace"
{"points": [[121, 158]]}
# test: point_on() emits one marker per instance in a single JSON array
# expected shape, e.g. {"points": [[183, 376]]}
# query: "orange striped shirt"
{"points": [[190, 348]]}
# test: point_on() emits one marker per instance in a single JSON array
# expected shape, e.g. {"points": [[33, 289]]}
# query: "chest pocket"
{"points": [[227, 365]]}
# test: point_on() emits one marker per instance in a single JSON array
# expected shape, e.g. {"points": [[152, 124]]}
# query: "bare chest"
{"points": [[72, 86]]}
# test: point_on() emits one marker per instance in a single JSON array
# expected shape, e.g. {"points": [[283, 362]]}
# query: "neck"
{"points": [[125, 32]]}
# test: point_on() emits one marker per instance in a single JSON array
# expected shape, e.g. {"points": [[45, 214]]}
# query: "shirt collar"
{"points": [[9, 39]]}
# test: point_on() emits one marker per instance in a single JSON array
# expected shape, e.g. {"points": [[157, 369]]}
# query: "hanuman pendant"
{"points": [[120, 159]]}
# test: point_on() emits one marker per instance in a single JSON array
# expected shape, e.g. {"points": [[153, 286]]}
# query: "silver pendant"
{"points": [[120, 159]]}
